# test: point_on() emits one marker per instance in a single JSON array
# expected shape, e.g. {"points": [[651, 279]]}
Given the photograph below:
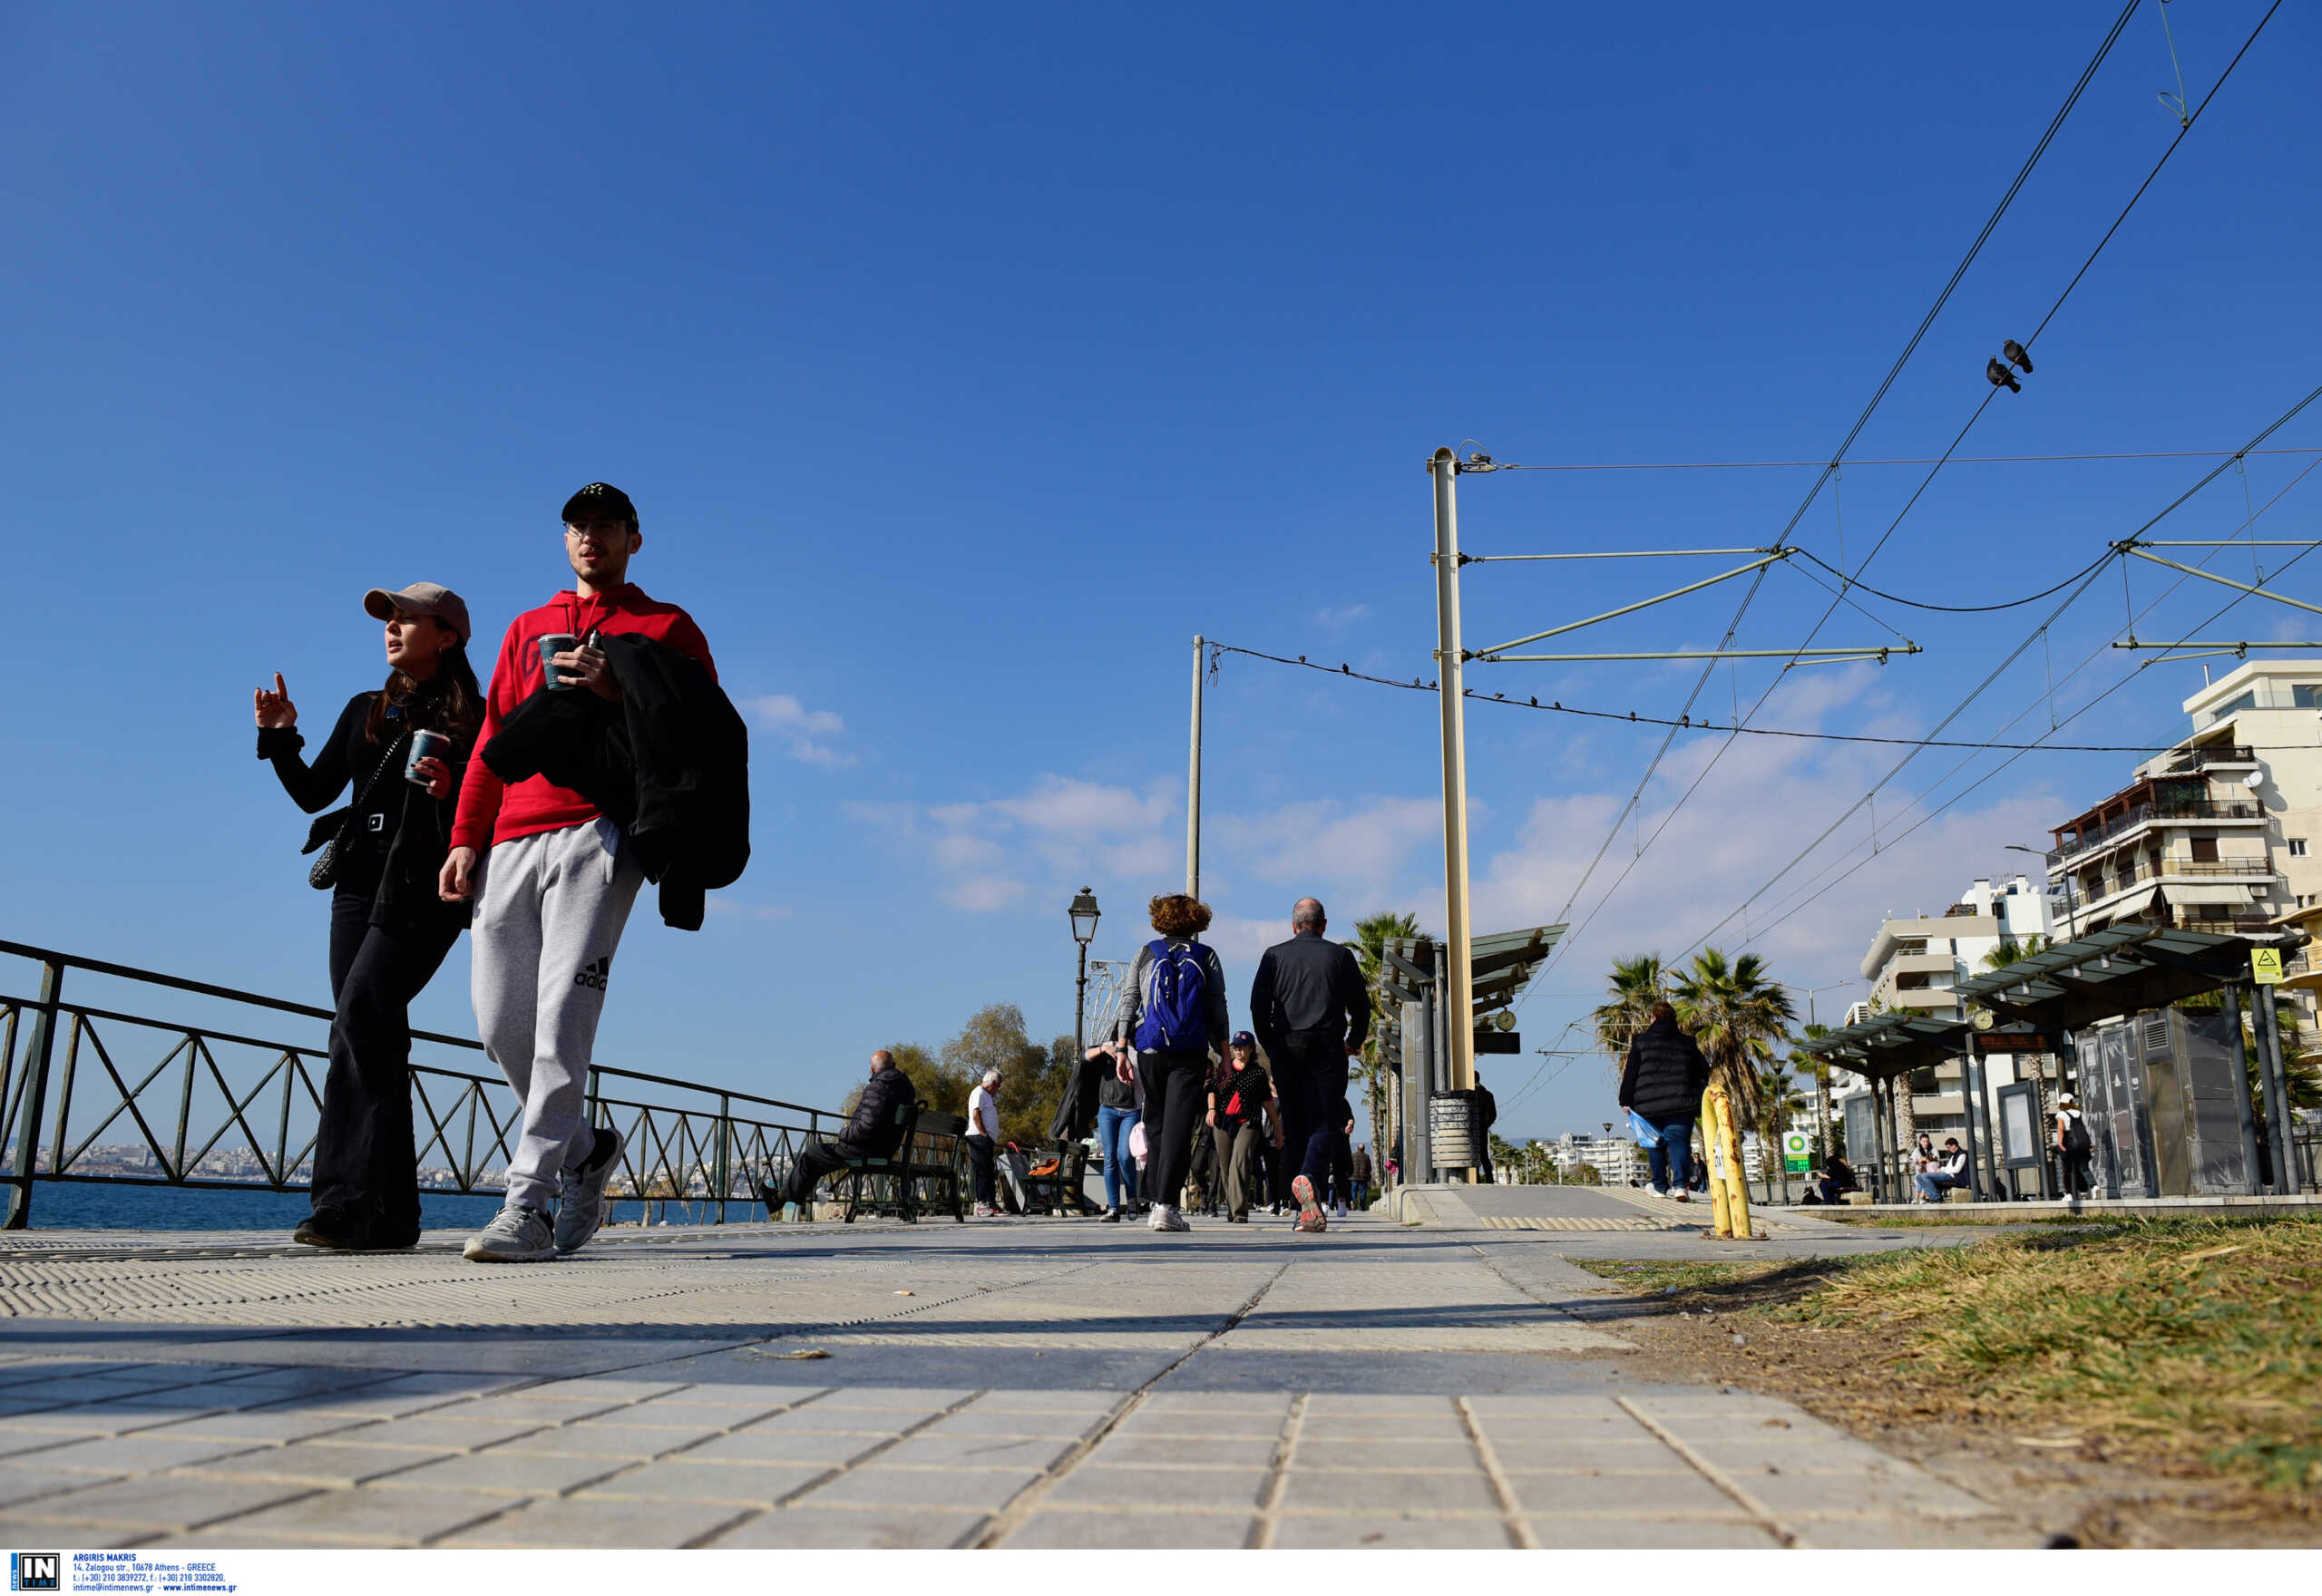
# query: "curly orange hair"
{"points": [[1176, 915]]}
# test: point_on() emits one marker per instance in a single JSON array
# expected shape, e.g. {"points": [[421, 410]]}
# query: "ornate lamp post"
{"points": [[1084, 913]]}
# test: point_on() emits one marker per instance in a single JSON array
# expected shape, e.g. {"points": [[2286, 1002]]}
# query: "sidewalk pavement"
{"points": [[1025, 1383]]}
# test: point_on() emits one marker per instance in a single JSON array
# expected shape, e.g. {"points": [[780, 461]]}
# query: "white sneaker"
{"points": [[516, 1234], [1174, 1219], [1159, 1219]]}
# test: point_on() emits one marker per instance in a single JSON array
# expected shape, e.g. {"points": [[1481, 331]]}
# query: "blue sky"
{"points": [[963, 364]]}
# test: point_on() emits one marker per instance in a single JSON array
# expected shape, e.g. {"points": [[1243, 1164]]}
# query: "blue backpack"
{"points": [[1174, 1003]]}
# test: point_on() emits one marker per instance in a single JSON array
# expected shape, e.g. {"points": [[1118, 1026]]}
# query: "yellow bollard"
{"points": [[1729, 1186]]}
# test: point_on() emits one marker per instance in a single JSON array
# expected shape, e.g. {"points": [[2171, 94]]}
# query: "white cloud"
{"points": [[805, 730], [1343, 614]]}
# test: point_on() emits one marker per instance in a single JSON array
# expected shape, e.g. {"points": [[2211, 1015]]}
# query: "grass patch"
{"points": [[2175, 1341], [1981, 1214]]}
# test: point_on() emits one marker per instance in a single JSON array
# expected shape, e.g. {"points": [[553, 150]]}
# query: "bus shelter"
{"points": [[2161, 1077]]}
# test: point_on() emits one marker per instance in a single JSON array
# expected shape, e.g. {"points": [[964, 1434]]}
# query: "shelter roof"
{"points": [[1500, 965]]}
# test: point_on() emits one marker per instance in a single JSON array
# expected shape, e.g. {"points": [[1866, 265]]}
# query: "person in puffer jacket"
{"points": [[1662, 1083], [871, 1132]]}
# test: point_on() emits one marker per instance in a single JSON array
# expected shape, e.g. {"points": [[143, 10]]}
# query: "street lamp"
{"points": [[1084, 913], [2070, 930]]}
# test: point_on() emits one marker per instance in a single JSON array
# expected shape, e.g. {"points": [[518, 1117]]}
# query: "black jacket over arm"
{"points": [[870, 1133], [669, 763], [1306, 984], [1665, 1075]]}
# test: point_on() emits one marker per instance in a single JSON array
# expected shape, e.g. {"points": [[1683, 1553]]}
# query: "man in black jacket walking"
{"points": [[1662, 1084], [872, 1133], [1312, 1011]]}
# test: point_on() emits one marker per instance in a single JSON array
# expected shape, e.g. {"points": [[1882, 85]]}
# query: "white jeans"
{"points": [[548, 921]]}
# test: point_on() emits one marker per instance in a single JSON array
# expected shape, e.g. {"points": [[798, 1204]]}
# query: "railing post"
{"points": [[724, 1150], [40, 1046]]}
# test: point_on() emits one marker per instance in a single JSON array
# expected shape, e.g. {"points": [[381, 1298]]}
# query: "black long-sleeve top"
{"points": [[1308, 983], [401, 834]]}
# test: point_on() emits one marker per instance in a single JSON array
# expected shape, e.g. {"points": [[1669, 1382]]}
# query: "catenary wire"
{"points": [[1921, 460]]}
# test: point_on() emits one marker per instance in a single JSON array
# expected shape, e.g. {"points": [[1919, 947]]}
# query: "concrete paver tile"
{"points": [[1144, 1421], [1336, 1403], [317, 1463], [498, 1473], [1091, 1401], [976, 1421], [1697, 1430], [261, 1424], [27, 1532], [1644, 1456], [23, 1484], [873, 1486], [1370, 1530], [939, 1450], [1093, 1486], [594, 1521], [756, 1485], [1881, 1531], [1521, 1409], [1185, 1451], [885, 1528], [299, 1380], [904, 1398], [1233, 1403], [761, 1443], [366, 1515], [439, 1431], [1650, 1494], [517, 1408], [1623, 1534], [139, 1454], [163, 1501], [1442, 1426], [1138, 1532], [595, 1386], [818, 1420], [1848, 1493], [1386, 1450], [1307, 1489]]}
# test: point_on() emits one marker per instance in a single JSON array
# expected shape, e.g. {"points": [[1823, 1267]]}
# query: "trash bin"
{"points": [[1451, 1134]]}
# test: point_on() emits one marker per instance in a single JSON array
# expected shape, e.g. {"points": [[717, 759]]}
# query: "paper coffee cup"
{"points": [[556, 643]]}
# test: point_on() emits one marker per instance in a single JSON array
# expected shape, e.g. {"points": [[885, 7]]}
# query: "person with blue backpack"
{"points": [[1176, 1013]]}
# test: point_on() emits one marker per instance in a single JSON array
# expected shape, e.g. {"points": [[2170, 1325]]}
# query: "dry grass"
{"points": [[2187, 1343]]}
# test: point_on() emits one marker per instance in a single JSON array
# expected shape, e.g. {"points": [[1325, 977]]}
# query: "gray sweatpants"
{"points": [[548, 921]]}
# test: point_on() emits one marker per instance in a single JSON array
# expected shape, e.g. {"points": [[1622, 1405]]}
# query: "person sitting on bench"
{"points": [[1946, 1172], [873, 1132], [1837, 1177]]}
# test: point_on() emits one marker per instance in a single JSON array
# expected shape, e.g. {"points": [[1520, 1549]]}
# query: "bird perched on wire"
{"points": [[2002, 378], [2017, 356]]}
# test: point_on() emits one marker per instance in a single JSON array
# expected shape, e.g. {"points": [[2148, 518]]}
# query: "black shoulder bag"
{"points": [[333, 832]]}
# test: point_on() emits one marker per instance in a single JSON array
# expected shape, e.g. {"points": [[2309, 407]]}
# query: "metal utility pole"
{"points": [[1459, 994], [2243, 1108], [1193, 788]]}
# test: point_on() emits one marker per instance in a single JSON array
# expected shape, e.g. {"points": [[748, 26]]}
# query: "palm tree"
{"points": [[1636, 984], [1739, 1016], [1371, 935], [2009, 950], [1820, 1069]]}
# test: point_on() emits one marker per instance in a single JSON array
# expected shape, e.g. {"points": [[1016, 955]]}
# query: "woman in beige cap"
{"points": [[401, 751]]}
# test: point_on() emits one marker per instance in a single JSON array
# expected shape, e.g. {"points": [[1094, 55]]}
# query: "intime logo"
{"points": [[36, 1571]]}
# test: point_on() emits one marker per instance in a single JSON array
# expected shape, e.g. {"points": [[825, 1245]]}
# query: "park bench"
{"points": [[1054, 1186], [927, 1154]]}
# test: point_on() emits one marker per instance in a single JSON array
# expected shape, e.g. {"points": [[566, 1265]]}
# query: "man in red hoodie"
{"points": [[556, 881]]}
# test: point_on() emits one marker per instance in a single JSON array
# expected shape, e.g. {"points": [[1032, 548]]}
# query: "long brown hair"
{"points": [[455, 709]]}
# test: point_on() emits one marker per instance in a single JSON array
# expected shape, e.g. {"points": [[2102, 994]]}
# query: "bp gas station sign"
{"points": [[1796, 1152]]}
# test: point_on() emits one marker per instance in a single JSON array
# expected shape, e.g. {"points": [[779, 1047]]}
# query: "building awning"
{"points": [[2119, 970], [2206, 893]]}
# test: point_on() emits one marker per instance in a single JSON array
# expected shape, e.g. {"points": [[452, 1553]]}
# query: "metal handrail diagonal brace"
{"points": [[1741, 570], [2210, 576]]}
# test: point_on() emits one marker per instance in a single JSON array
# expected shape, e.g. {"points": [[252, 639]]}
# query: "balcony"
{"points": [[2195, 809], [2208, 757]]}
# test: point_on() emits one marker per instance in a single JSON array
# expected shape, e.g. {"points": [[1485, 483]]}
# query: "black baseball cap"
{"points": [[598, 501], [1243, 1039]]}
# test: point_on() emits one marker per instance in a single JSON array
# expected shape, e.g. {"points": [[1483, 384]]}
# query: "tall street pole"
{"points": [[1459, 995], [1193, 788]]}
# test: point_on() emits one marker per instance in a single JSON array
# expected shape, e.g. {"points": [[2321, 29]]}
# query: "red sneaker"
{"points": [[1308, 1209]]}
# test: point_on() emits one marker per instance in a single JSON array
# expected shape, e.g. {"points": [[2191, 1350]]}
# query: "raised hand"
{"points": [[275, 710]]}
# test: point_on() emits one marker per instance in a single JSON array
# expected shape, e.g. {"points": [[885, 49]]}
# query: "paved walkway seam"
{"points": [[1715, 1475], [1293, 1426], [1506, 1493]]}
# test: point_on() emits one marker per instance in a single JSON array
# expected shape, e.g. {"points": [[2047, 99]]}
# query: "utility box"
{"points": [[2189, 1056], [2112, 1091]]}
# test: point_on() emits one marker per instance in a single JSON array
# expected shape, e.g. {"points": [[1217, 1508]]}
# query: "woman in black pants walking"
{"points": [[1176, 1009], [401, 750]]}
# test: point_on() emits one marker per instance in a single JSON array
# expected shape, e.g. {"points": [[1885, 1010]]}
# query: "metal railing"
{"points": [[2214, 753], [224, 1110], [2186, 809]]}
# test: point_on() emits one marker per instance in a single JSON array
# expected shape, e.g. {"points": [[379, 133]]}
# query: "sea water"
{"points": [[91, 1205]]}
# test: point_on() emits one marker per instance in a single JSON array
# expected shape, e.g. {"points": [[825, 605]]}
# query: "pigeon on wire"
{"points": [[2002, 378], [2017, 356]]}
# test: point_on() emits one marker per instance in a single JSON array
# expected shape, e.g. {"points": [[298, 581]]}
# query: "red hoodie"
{"points": [[489, 810]]}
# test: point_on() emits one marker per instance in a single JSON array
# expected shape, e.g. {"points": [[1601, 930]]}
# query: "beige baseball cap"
{"points": [[420, 598]]}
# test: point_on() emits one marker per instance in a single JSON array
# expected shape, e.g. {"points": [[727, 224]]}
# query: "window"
{"points": [[2306, 695], [2247, 701], [2297, 847], [2204, 850]]}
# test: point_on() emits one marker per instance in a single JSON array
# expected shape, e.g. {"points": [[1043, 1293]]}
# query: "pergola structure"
{"points": [[2028, 1005]]}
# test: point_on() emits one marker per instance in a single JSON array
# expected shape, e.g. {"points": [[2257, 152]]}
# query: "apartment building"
{"points": [[1913, 964], [2221, 832]]}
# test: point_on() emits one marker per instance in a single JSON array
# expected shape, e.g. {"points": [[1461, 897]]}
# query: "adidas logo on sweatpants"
{"points": [[595, 975]]}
